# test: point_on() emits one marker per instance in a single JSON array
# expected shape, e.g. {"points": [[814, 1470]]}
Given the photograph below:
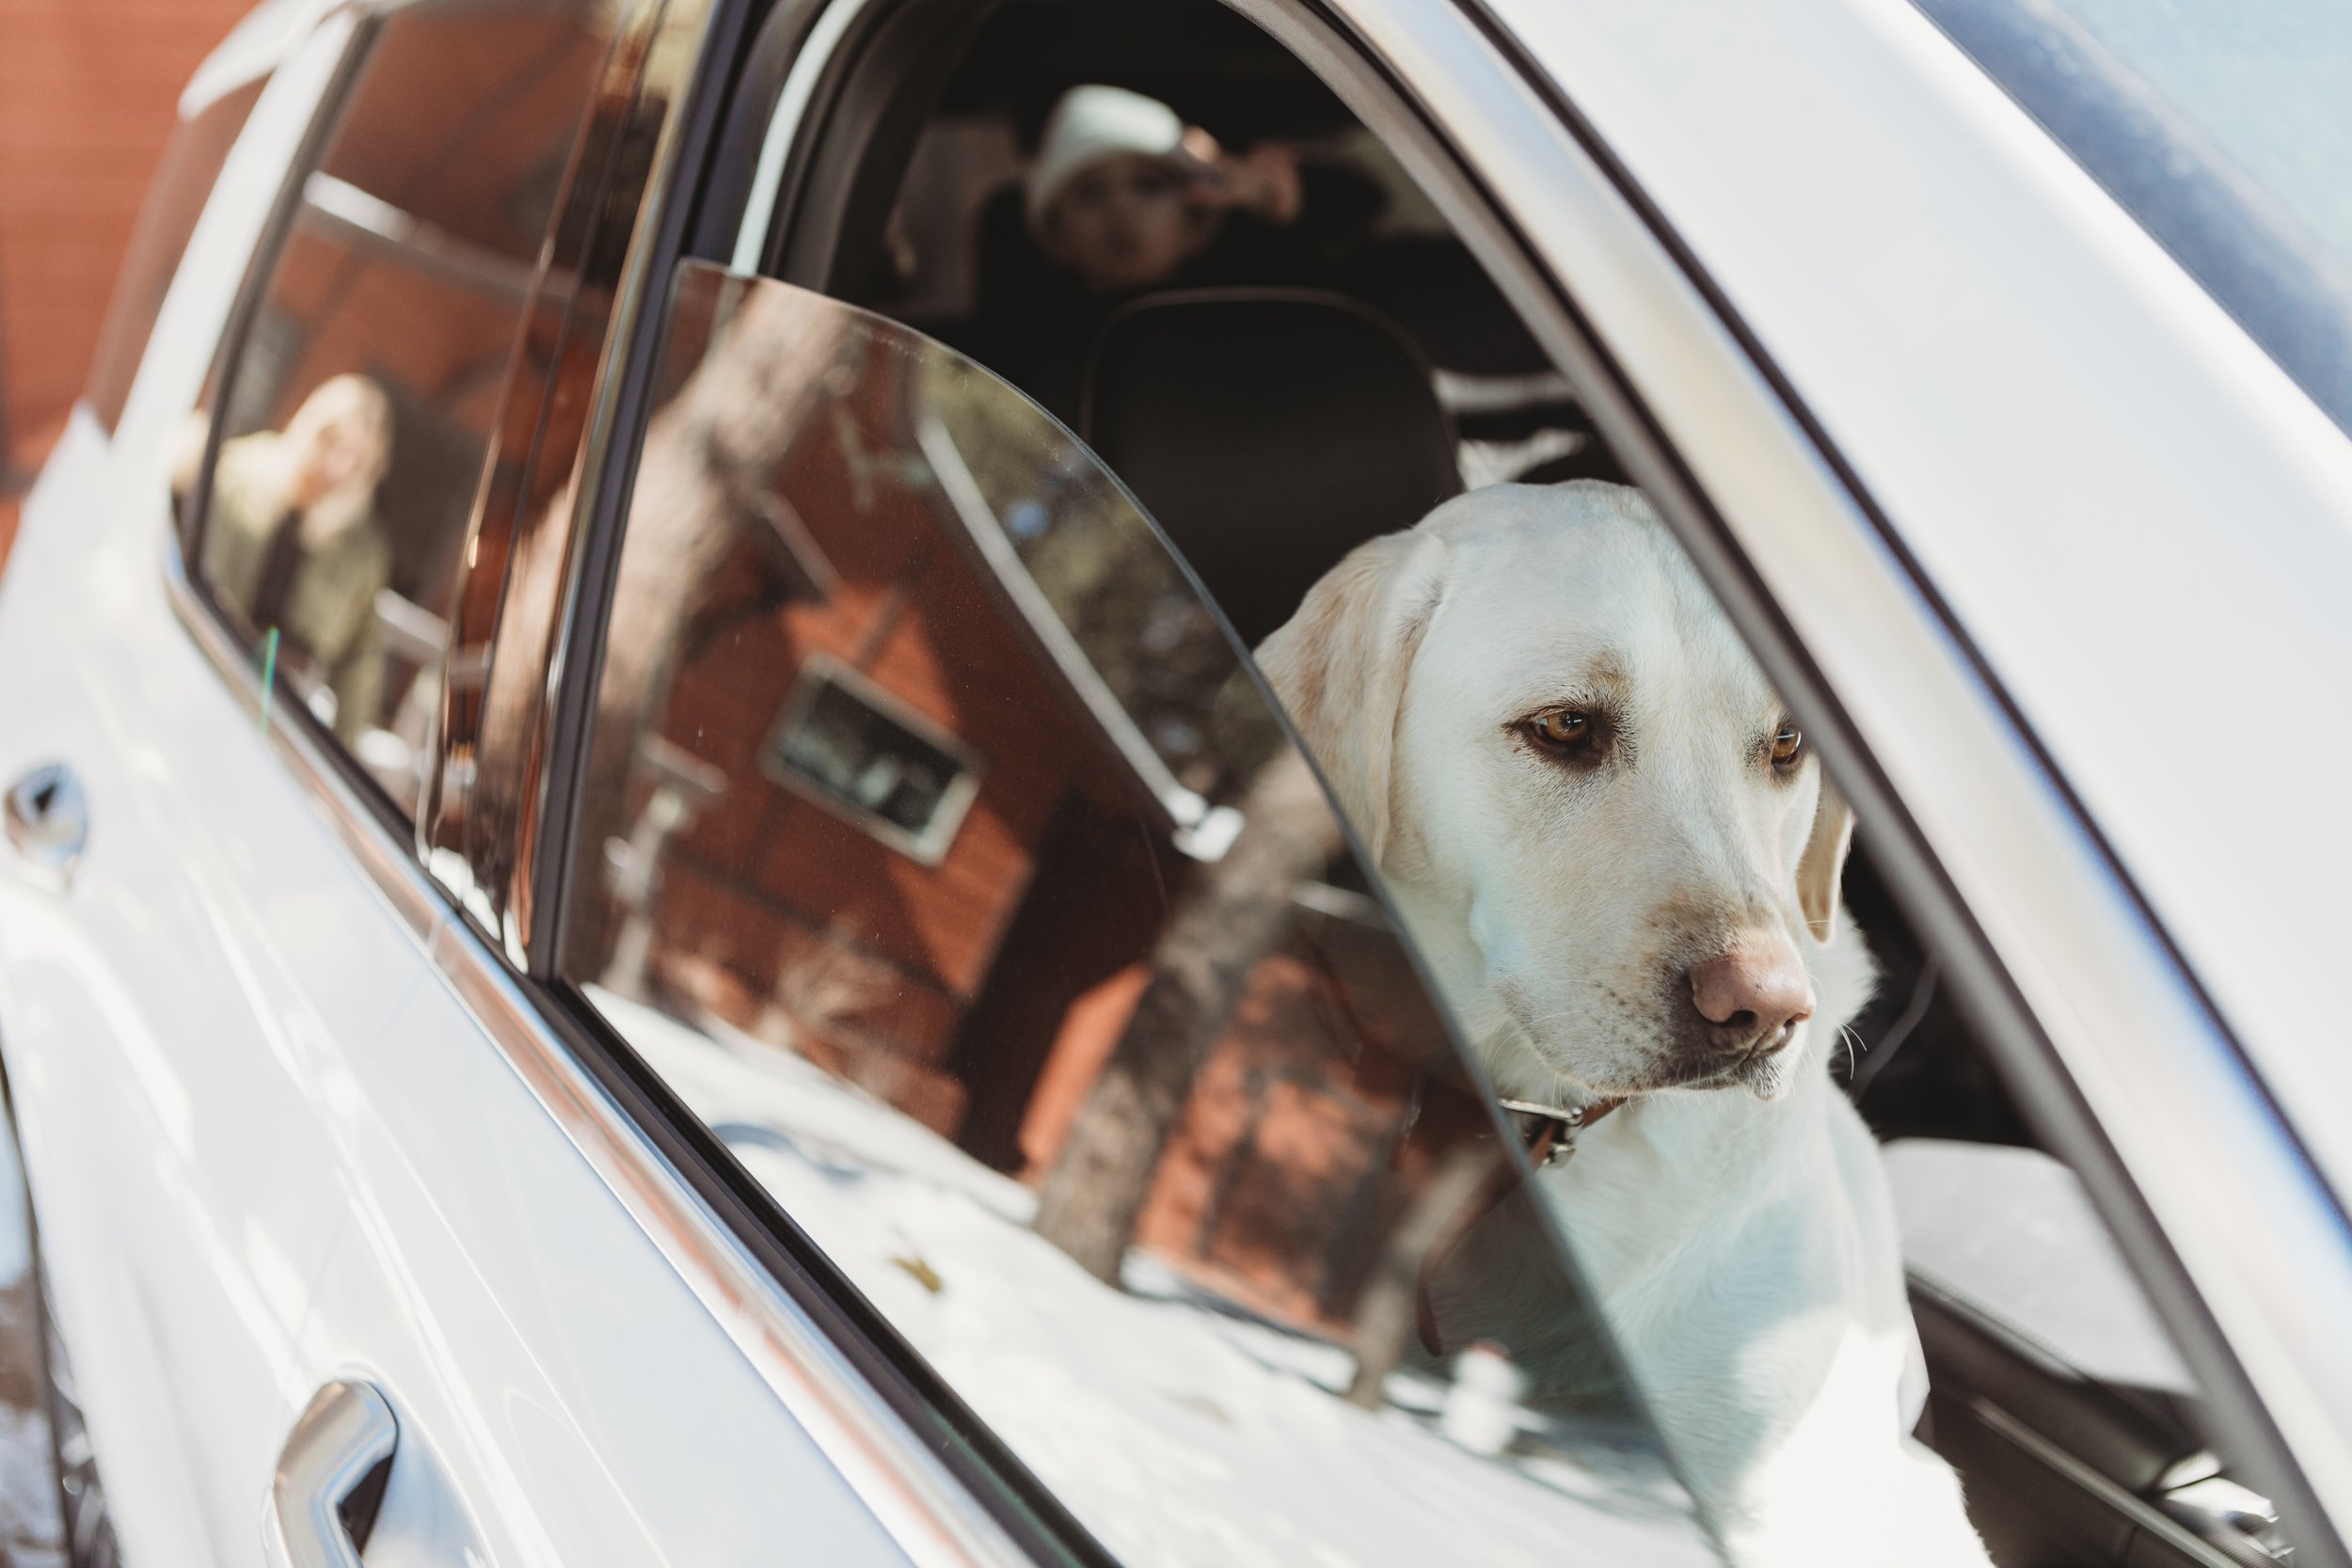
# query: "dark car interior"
{"points": [[1268, 425]]}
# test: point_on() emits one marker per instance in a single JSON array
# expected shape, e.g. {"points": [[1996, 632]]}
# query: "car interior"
{"points": [[1267, 425]]}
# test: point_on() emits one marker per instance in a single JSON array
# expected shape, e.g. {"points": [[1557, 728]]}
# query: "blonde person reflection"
{"points": [[292, 542], [1126, 198]]}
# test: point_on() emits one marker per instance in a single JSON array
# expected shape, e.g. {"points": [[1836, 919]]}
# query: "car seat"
{"points": [[1267, 432]]}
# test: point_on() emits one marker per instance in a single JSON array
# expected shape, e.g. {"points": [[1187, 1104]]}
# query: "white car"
{"points": [[597, 814]]}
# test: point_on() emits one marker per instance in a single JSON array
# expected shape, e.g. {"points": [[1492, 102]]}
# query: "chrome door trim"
{"points": [[346, 1430], [389, 862], [2054, 941], [916, 1500]]}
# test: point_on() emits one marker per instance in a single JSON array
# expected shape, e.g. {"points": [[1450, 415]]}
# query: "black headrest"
{"points": [[1435, 291], [1268, 432]]}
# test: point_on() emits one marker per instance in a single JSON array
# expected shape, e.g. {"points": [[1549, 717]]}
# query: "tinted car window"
{"points": [[192, 161], [940, 850], [358, 408]]}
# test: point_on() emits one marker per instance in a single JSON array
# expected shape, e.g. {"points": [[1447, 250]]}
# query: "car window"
{"points": [[350, 421], [175, 199], [941, 851], [1580, 1155]]}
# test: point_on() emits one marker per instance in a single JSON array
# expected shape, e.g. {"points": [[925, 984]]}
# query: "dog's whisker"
{"points": [[1856, 1047]]}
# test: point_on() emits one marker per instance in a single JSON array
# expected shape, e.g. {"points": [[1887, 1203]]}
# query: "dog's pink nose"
{"points": [[1752, 997]]}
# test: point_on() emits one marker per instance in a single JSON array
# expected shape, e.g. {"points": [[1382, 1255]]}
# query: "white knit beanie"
{"points": [[1092, 123]]}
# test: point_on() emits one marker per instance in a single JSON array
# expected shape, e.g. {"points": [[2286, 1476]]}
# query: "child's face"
{"points": [[1127, 222]]}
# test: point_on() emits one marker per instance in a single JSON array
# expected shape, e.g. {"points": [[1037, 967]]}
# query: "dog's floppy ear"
{"points": [[1823, 865], [1340, 664]]}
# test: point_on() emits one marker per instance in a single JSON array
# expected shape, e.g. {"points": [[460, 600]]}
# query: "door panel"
{"points": [[561, 1390], [165, 1008]]}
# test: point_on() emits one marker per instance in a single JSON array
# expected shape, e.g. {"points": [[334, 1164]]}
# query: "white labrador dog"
{"points": [[1609, 838]]}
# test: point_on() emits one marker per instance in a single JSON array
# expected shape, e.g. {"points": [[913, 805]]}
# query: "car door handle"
{"points": [[331, 1478], [47, 821]]}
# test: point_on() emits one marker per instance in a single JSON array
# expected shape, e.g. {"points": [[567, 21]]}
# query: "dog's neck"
{"points": [[1670, 1167], [1842, 971]]}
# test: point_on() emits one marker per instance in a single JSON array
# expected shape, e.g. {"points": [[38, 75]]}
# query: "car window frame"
{"points": [[157, 246]]}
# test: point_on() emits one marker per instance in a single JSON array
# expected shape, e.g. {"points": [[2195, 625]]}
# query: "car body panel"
{"points": [[2019, 376], [154, 1030]]}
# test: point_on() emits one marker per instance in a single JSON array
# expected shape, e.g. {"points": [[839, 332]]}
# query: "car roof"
{"points": [[2143, 527]]}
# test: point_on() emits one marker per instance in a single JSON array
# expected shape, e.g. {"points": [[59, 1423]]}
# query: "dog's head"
{"points": [[1600, 820]]}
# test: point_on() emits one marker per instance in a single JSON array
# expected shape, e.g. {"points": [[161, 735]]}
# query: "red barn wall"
{"points": [[89, 92]]}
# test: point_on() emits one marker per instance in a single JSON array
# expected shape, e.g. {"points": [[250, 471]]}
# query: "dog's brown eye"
{"points": [[1562, 728], [1788, 747]]}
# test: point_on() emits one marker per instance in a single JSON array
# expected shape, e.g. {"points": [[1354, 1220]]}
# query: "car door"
{"points": [[282, 1170]]}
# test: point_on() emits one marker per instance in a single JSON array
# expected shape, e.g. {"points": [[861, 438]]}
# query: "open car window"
{"points": [[1248, 1181], [941, 851]]}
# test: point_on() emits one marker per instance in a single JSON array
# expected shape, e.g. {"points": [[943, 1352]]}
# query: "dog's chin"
{"points": [[1765, 1077], [1612, 1067], [1768, 1078]]}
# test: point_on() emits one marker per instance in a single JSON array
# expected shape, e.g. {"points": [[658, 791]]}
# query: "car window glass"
{"points": [[192, 161], [939, 849], [828, 835], [357, 410]]}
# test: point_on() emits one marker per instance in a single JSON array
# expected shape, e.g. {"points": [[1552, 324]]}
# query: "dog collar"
{"points": [[1548, 1131]]}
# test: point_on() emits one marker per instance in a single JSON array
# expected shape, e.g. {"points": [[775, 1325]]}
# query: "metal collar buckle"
{"points": [[1551, 1140]]}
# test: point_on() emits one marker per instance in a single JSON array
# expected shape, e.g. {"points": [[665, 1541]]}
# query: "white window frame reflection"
{"points": [[820, 670], [1202, 831]]}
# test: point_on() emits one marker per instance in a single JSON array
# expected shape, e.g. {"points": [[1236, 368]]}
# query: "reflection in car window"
{"points": [[363, 397], [1110, 1084]]}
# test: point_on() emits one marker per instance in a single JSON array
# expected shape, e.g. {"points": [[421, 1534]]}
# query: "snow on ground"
{"points": [[1182, 1433], [31, 1532]]}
